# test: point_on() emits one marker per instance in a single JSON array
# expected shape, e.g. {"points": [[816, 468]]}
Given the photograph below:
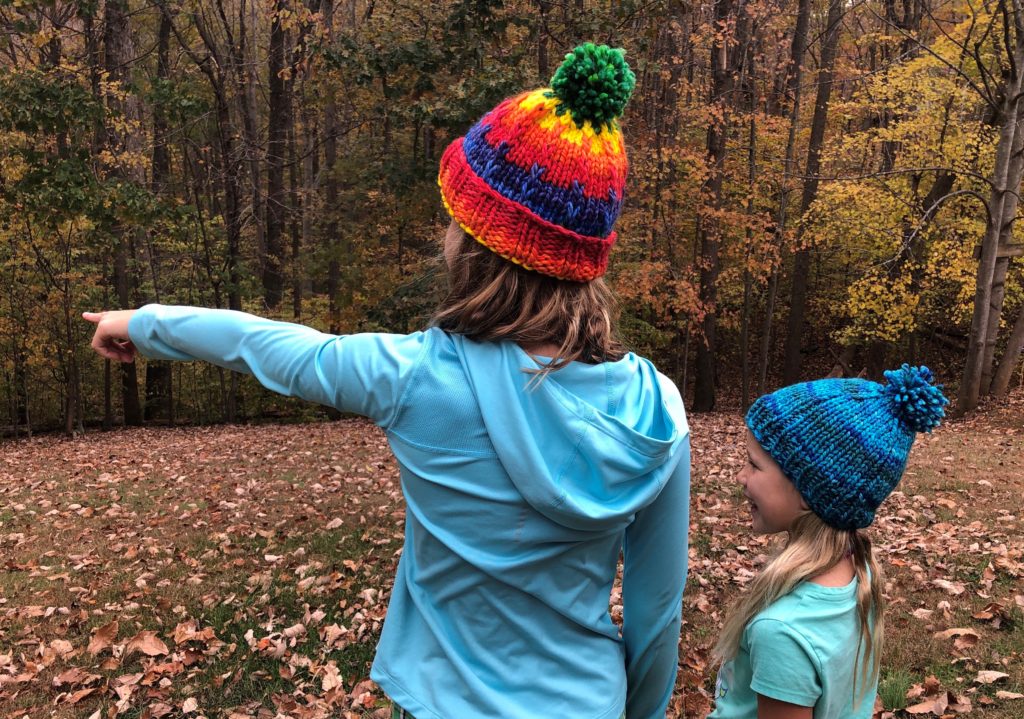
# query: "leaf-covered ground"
{"points": [[244, 571]]}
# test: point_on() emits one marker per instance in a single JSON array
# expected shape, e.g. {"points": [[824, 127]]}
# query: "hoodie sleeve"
{"points": [[362, 373], [654, 572]]}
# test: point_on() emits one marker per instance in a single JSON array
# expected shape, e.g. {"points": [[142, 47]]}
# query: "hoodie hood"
{"points": [[580, 455]]}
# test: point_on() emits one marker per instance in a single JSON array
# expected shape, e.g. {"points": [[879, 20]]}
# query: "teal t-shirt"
{"points": [[803, 650]]}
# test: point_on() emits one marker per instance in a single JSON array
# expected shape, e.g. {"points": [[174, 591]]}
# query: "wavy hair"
{"points": [[491, 299], [813, 548]]}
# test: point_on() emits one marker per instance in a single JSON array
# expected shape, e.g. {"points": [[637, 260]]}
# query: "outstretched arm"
{"points": [[363, 373]]}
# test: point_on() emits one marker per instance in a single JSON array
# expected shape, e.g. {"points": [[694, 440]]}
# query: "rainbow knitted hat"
{"points": [[844, 442], [539, 179]]}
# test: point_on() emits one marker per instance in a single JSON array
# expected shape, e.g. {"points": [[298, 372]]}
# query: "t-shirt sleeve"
{"points": [[363, 373], [783, 664]]}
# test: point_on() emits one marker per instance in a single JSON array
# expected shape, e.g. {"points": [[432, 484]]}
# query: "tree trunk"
{"points": [[247, 78], [74, 411], [802, 262], [119, 54], [228, 158], [330, 239], [1008, 363], [158, 373], [543, 6], [108, 403], [750, 89], [303, 184], [995, 313], [277, 138], [1016, 174], [766, 331], [310, 185], [228, 169], [970, 384], [296, 210], [792, 83], [19, 389], [127, 370], [708, 224]]}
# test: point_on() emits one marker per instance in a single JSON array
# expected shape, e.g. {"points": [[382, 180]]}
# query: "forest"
{"points": [[824, 187]]}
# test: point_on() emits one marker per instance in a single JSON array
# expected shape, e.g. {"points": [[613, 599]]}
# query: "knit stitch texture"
{"points": [[844, 442], [540, 178]]}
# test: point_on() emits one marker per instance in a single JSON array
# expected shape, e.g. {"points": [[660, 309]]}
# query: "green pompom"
{"points": [[594, 83]]}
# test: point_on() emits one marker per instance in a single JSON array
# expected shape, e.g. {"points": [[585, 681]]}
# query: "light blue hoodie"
{"points": [[519, 500]]}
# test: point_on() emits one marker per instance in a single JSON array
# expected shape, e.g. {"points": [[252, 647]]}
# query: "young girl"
{"points": [[532, 446], [804, 640]]}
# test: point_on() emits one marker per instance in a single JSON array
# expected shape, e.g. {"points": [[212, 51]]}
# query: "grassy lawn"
{"points": [[245, 571], [951, 541]]}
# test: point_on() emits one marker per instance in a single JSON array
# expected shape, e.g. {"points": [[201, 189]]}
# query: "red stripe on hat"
{"points": [[514, 231]]}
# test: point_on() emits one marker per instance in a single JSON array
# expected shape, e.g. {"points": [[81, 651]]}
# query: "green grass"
{"points": [[702, 543], [1009, 639], [893, 685], [254, 676], [970, 571], [265, 596], [946, 672], [334, 545]]}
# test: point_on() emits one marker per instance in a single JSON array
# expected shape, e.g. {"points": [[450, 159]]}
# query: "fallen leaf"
{"points": [[296, 630], [988, 677], [955, 632], [184, 631], [146, 642], [993, 610], [73, 676], [934, 705], [61, 646], [103, 638], [330, 678], [954, 588], [81, 694], [968, 641], [960, 703]]}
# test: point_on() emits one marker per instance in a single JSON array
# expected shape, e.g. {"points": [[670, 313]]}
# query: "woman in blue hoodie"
{"points": [[533, 448]]}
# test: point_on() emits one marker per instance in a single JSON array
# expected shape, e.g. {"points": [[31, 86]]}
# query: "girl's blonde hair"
{"points": [[812, 549], [491, 298]]}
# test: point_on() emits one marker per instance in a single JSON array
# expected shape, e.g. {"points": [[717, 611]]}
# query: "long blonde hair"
{"points": [[491, 298], [814, 547]]}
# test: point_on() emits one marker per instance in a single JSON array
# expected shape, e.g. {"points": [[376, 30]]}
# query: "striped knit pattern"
{"points": [[538, 187], [844, 442]]}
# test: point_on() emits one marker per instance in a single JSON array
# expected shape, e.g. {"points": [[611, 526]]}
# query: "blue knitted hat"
{"points": [[844, 442]]}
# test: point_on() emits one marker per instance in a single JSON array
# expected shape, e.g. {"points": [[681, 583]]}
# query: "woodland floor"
{"points": [[244, 571]]}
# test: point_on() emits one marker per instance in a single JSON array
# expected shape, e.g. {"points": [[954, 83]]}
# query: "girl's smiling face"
{"points": [[775, 502]]}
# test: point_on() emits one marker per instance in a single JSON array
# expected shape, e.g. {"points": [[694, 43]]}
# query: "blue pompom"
{"points": [[919, 403]]}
